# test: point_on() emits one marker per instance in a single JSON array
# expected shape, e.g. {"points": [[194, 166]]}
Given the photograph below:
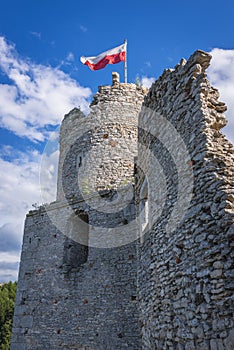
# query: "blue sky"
{"points": [[41, 78]]}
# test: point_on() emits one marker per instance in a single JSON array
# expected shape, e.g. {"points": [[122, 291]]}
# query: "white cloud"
{"points": [[38, 95], [10, 240], [221, 75], [19, 188], [70, 57], [36, 34], [148, 64], [147, 82], [19, 185], [48, 176], [9, 262]]}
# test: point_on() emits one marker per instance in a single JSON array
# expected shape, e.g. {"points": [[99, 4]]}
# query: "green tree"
{"points": [[7, 302]]}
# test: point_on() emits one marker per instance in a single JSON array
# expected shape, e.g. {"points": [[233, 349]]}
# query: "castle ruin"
{"points": [[136, 251]]}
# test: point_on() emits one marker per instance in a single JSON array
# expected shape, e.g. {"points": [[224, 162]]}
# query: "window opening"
{"points": [[144, 210], [76, 244]]}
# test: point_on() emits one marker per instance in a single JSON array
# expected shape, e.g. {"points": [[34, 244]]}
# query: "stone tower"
{"points": [[135, 254], [77, 282]]}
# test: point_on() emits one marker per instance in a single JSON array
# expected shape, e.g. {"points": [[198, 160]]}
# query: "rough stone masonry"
{"points": [[135, 253], [185, 271]]}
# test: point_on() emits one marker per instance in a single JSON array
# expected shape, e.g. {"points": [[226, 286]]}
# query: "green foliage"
{"points": [[7, 303]]}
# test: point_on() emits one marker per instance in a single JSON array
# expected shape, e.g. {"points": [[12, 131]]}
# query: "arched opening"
{"points": [[76, 246], [144, 210]]}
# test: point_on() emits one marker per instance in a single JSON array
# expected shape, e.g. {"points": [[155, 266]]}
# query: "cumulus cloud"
{"points": [[221, 75], [147, 82], [19, 189], [48, 177], [70, 57], [20, 182], [9, 264], [33, 98], [37, 96], [10, 240]]}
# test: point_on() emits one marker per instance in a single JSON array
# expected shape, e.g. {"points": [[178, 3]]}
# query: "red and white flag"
{"points": [[112, 56]]}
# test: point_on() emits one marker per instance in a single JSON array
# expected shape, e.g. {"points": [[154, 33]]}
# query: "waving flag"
{"points": [[112, 56]]}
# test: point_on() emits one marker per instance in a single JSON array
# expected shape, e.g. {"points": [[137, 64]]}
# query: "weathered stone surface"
{"points": [[200, 295], [74, 293], [166, 284]]}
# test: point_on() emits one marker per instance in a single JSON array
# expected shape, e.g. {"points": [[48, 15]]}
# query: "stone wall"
{"points": [[157, 272], [90, 306], [77, 282], [185, 270]]}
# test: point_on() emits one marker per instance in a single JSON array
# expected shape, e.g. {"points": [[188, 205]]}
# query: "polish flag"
{"points": [[112, 56]]}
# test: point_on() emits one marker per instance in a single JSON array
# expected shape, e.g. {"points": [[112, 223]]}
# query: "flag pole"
{"points": [[125, 63]]}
